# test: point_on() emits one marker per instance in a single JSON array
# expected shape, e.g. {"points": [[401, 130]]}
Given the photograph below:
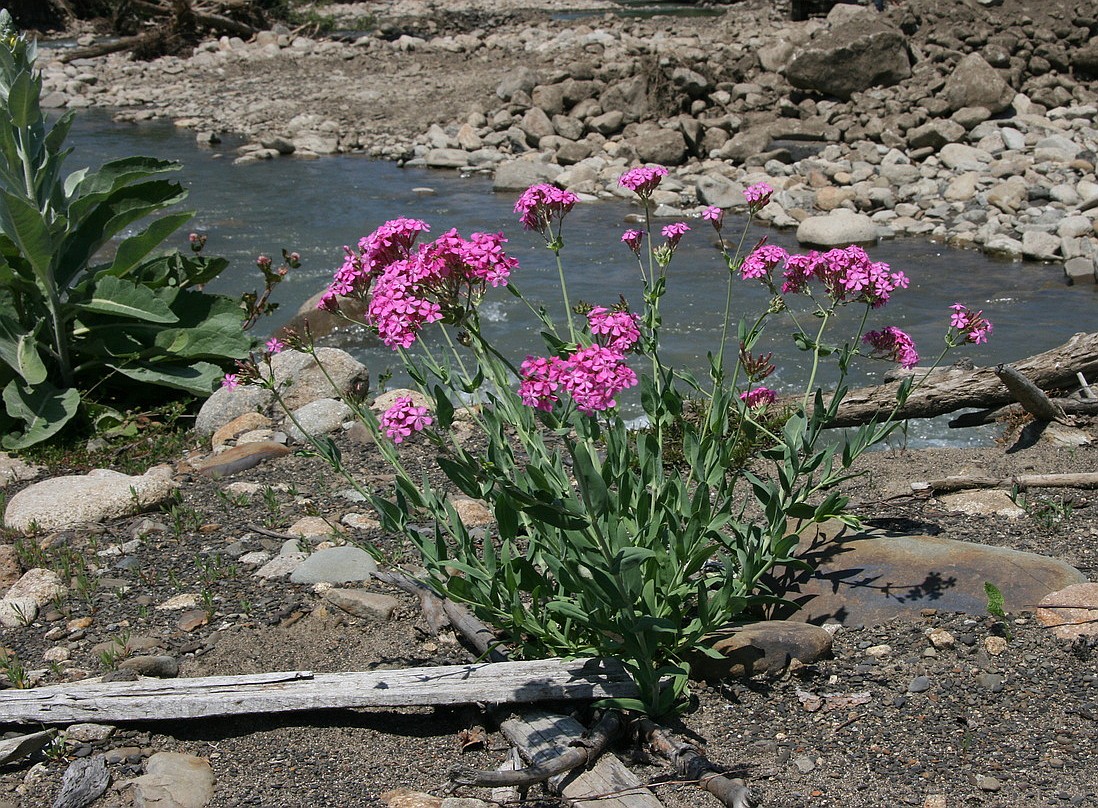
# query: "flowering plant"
{"points": [[605, 541]]}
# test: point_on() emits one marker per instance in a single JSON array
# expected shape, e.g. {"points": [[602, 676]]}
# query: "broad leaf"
{"points": [[198, 379], [121, 298], [23, 100], [43, 409], [134, 249], [20, 351], [24, 224]]}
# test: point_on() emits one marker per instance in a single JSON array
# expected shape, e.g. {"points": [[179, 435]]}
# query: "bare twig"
{"points": [[586, 750], [1030, 396], [696, 767]]}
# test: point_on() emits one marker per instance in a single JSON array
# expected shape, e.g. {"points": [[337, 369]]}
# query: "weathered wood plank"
{"points": [[542, 736], [158, 699]]}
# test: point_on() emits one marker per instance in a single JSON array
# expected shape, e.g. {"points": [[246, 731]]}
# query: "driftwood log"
{"points": [[950, 389], [1069, 406], [207, 696], [1083, 480]]}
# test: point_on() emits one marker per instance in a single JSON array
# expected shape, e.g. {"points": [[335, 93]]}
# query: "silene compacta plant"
{"points": [[611, 540]]}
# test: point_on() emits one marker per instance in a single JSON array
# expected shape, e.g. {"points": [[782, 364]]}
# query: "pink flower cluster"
{"points": [[758, 196], [674, 232], [409, 287], [715, 215], [758, 396], [642, 180], [632, 239], [892, 343], [972, 326], [404, 418], [541, 204], [847, 274], [592, 376], [616, 330]]}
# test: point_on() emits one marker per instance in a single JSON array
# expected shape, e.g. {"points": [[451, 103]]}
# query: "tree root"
{"points": [[585, 751], [693, 765]]}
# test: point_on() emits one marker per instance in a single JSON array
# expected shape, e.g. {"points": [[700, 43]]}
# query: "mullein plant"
{"points": [[602, 544]]}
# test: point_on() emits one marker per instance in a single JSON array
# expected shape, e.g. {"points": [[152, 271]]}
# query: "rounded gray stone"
{"points": [[335, 565]]}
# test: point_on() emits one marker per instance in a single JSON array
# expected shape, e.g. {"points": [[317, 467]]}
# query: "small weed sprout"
{"points": [[12, 668]]}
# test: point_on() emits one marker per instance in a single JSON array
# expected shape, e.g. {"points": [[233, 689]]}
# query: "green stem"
{"points": [[564, 294]]}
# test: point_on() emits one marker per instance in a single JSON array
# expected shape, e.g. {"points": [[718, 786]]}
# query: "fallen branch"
{"points": [[482, 638], [582, 753], [1030, 396], [692, 765], [1070, 406], [104, 48], [1083, 480], [205, 697], [950, 389]]}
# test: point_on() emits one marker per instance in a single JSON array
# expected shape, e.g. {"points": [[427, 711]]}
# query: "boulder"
{"points": [[447, 158], [302, 381], [860, 54], [629, 97], [174, 780], [72, 501], [316, 418], [868, 579], [839, 228], [665, 147], [322, 322], [975, 83], [1071, 611], [761, 648], [714, 189], [935, 134], [518, 175], [522, 80], [225, 405]]}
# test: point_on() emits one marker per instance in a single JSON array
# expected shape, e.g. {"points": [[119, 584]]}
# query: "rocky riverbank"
{"points": [[968, 122]]}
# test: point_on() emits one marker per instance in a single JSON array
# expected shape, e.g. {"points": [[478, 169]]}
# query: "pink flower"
{"points": [[231, 381], [759, 263], [642, 180], [715, 215], [404, 418], [799, 269], [849, 275], [275, 345], [617, 330], [541, 204], [972, 326], [757, 196], [674, 232], [759, 396], [632, 239], [540, 380], [592, 376], [892, 343]]}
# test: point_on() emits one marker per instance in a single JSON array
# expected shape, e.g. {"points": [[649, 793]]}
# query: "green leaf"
{"points": [[24, 224], [19, 350], [122, 298], [23, 100], [135, 248], [43, 409], [198, 379]]}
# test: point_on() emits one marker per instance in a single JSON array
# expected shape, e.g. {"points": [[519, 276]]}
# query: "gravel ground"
{"points": [[906, 725]]}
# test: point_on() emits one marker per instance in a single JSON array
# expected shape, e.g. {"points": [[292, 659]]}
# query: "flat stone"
{"points": [[318, 417], [88, 732], [72, 501], [239, 458], [363, 603], [1071, 611], [14, 470], [83, 782], [17, 612], [247, 422], [38, 584], [767, 647], [184, 600], [839, 228], [158, 665], [983, 502], [280, 566], [190, 620], [335, 565], [920, 684], [174, 780], [868, 579]]}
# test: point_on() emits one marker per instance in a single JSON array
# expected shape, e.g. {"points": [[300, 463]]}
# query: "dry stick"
{"points": [[586, 750], [696, 767], [1084, 386], [1070, 406], [462, 620], [1030, 396], [1082, 480]]}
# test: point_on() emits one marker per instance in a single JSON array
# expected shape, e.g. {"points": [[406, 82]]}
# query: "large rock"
{"points": [[336, 565], [975, 83], [174, 780], [629, 96], [227, 405], [761, 648], [1072, 611], [714, 189], [72, 501], [665, 147], [868, 579], [838, 229], [321, 322], [861, 54], [301, 380], [518, 175]]}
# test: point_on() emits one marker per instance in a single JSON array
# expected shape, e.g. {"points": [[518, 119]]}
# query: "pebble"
{"points": [[995, 645], [919, 684], [986, 782]]}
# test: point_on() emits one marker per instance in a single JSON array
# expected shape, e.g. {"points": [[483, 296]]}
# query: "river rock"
{"points": [[860, 54], [174, 780], [39, 585], [389, 398], [71, 501], [665, 147], [518, 175], [159, 665], [321, 322], [447, 158], [363, 603], [982, 502], [225, 405], [336, 565], [1040, 246], [238, 426], [839, 228], [302, 381], [317, 418], [868, 579], [1071, 611], [761, 648], [975, 83], [14, 469], [714, 189]]}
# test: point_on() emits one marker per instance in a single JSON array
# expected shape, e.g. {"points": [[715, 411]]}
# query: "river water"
{"points": [[316, 206]]}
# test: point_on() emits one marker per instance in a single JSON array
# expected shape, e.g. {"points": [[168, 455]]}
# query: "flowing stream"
{"points": [[317, 206]]}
